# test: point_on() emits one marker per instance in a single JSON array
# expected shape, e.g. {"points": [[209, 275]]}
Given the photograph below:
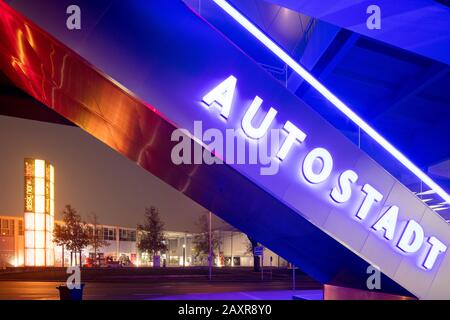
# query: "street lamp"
{"points": [[210, 249], [184, 248]]}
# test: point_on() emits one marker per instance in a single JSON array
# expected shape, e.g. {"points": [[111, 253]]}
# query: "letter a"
{"points": [[222, 95]]}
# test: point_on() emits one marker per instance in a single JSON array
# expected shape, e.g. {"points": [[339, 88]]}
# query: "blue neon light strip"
{"points": [[280, 53]]}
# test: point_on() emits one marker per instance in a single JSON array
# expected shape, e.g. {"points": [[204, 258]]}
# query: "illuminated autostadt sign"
{"points": [[315, 169]]}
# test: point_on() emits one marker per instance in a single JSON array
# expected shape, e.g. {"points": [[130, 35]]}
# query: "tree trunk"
{"points": [[71, 258], [81, 264], [62, 261]]}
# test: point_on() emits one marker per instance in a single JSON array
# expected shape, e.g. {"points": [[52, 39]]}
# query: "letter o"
{"points": [[327, 165]]}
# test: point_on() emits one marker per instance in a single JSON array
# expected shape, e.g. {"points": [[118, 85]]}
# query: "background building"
{"points": [[233, 249], [11, 241], [28, 241]]}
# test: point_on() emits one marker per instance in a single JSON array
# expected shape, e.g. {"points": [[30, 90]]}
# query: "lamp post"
{"points": [[185, 247], [232, 257], [184, 254], [210, 244], [293, 277]]}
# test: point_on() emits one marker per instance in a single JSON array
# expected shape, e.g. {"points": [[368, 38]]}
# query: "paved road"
{"points": [[304, 294], [29, 290]]}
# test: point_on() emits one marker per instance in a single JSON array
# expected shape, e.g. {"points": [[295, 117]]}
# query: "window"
{"points": [[174, 260], [6, 227], [99, 232], [127, 235], [109, 234], [20, 227], [173, 246]]}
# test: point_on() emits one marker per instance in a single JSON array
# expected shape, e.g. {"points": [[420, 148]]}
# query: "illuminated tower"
{"points": [[39, 212]]}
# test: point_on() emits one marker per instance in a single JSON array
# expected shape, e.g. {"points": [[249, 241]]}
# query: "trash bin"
{"points": [[70, 294]]}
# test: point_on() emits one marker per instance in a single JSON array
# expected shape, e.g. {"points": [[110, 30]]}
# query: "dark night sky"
{"points": [[88, 175]]}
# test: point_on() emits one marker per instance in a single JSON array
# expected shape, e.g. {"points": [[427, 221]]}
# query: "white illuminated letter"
{"points": [[437, 247], [251, 131], [372, 195], [344, 192], [222, 95], [327, 165], [294, 134], [388, 222], [412, 237]]}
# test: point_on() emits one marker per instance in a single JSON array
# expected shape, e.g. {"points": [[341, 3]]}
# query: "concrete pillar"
{"points": [[117, 243]]}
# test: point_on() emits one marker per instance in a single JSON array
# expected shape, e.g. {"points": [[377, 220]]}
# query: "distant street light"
{"points": [[184, 249], [210, 248]]}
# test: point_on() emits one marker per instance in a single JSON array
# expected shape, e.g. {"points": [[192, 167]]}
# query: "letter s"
{"points": [[344, 192]]}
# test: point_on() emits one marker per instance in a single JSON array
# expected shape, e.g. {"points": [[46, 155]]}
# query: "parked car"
{"points": [[89, 263]]}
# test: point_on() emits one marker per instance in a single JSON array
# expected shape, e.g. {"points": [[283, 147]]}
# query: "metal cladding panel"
{"points": [[170, 58], [419, 26]]}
